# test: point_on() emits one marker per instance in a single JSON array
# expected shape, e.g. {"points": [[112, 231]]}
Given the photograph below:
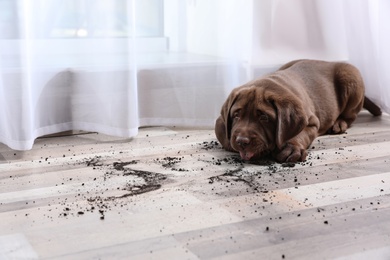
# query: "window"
{"points": [[8, 20], [79, 33], [81, 18]]}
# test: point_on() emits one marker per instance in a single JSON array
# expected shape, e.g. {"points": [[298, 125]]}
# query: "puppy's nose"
{"points": [[242, 141]]}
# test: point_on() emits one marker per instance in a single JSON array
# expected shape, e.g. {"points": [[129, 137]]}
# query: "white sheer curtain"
{"points": [[112, 66]]}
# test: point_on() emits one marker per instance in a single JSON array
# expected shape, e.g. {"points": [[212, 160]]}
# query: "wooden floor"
{"points": [[174, 193]]}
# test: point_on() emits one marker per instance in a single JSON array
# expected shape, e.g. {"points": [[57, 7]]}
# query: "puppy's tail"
{"points": [[371, 107]]}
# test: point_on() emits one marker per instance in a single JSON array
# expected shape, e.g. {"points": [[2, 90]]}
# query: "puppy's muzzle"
{"points": [[243, 146], [243, 141]]}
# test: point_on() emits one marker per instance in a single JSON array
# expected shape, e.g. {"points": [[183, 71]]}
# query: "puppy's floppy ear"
{"points": [[291, 118], [225, 112]]}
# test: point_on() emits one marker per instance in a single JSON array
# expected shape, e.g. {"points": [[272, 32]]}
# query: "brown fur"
{"points": [[283, 112]]}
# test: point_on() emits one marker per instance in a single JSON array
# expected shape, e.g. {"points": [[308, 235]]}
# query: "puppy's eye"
{"points": [[262, 117], [236, 114]]}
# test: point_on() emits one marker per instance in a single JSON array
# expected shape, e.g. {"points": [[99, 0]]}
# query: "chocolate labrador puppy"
{"points": [[283, 112]]}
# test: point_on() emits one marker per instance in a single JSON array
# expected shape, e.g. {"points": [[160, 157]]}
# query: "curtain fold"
{"points": [[67, 66], [368, 37], [112, 66]]}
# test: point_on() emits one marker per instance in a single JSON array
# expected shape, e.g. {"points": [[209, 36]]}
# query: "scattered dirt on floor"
{"points": [[235, 170], [210, 145], [140, 182]]}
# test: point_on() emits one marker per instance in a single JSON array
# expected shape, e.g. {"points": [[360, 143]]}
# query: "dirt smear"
{"points": [[139, 182]]}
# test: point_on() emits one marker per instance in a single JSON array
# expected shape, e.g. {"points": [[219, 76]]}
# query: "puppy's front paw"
{"points": [[291, 153], [339, 127]]}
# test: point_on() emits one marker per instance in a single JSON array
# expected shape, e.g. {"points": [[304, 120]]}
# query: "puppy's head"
{"points": [[260, 119]]}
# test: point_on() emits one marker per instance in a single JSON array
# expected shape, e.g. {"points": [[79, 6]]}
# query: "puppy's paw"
{"points": [[291, 153], [339, 127]]}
